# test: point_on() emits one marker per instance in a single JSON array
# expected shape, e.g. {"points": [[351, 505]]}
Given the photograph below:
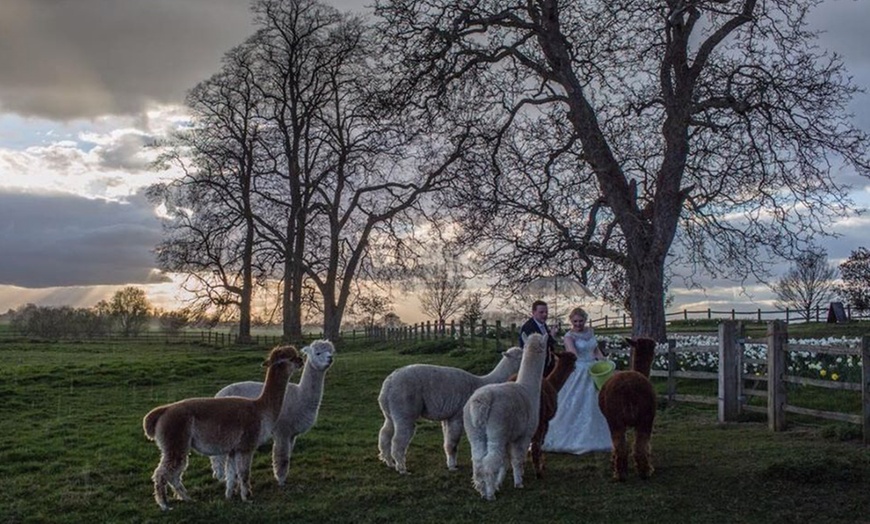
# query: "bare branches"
{"points": [[614, 128]]}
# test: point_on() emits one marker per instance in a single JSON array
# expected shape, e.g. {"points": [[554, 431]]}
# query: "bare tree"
{"points": [[210, 234], [130, 309], [382, 160], [294, 46], [472, 311], [855, 272], [442, 288], [371, 306], [807, 285], [616, 129]]}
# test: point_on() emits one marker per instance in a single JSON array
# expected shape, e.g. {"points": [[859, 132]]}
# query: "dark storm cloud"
{"points": [[84, 58], [64, 240]]}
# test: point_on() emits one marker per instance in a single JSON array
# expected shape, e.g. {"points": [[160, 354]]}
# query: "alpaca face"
{"points": [[320, 354], [514, 353], [284, 354]]}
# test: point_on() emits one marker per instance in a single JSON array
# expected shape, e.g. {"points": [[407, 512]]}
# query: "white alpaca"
{"points": [[434, 393], [233, 427], [500, 420], [299, 412]]}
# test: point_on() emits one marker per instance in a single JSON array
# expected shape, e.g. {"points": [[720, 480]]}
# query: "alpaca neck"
{"points": [[311, 385], [500, 374], [560, 373], [642, 359], [273, 389], [532, 369]]}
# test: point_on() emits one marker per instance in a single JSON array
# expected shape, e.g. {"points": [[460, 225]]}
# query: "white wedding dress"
{"points": [[579, 427]]}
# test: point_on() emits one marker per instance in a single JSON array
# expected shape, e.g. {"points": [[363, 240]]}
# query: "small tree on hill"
{"points": [[130, 309], [172, 322], [855, 273], [370, 308], [473, 310], [808, 284], [443, 286]]}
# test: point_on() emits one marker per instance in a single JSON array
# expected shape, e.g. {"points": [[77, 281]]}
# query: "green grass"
{"points": [[72, 450]]}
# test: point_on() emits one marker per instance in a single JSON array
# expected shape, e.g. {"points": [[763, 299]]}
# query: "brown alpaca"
{"points": [[550, 387], [628, 400], [231, 426]]}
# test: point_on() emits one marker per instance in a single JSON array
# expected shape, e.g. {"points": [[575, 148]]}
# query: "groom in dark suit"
{"points": [[538, 324]]}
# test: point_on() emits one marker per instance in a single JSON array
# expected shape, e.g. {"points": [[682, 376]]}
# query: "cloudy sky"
{"points": [[87, 85]]}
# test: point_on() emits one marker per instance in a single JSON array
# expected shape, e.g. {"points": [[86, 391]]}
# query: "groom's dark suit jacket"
{"points": [[532, 327]]}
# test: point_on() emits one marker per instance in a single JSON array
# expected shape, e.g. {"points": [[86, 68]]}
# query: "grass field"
{"points": [[72, 450]]}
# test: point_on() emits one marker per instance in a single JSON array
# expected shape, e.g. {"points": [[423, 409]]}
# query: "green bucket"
{"points": [[601, 371]]}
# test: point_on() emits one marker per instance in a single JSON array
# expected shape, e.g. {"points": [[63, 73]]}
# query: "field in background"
{"points": [[72, 450]]}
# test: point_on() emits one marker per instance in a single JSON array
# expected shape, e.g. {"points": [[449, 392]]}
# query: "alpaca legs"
{"points": [[402, 434], [230, 475], [619, 456], [217, 467], [452, 430], [385, 437], [282, 449], [243, 473], [238, 474], [168, 473], [535, 450], [478, 451], [517, 452], [492, 469], [642, 454]]}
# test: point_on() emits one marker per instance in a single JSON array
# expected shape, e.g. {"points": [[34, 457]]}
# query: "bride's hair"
{"points": [[579, 311]]}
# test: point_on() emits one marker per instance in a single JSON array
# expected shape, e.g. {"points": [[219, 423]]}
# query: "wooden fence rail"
{"points": [[731, 378]]}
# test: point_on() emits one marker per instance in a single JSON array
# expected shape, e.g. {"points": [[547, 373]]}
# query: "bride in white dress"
{"points": [[579, 427]]}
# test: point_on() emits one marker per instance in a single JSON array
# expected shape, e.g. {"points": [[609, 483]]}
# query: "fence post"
{"points": [[729, 372], [483, 333], [672, 367], [865, 386], [498, 335], [777, 337]]}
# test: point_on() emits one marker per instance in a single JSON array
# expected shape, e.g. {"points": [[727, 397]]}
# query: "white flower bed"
{"points": [[700, 353]]}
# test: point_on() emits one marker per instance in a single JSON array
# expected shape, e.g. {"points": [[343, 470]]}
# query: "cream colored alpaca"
{"points": [[218, 426], [299, 412], [500, 420], [434, 393]]}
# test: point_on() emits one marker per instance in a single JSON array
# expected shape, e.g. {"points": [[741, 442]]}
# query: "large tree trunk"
{"points": [[292, 300], [245, 305], [331, 321], [647, 291], [247, 273]]}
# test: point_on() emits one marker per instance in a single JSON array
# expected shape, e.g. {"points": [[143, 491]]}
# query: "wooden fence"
{"points": [[731, 377], [485, 333], [817, 314]]}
